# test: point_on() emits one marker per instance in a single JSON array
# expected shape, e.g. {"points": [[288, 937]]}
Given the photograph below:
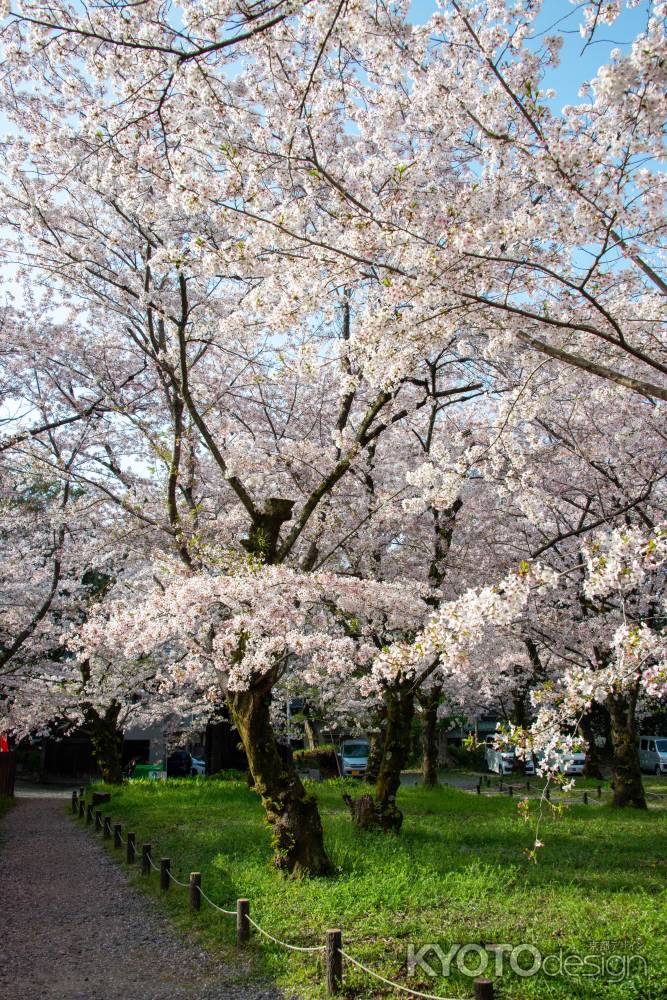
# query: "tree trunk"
{"points": [[429, 702], [298, 839], [376, 741], [107, 742], [382, 813], [592, 762], [627, 776], [400, 712], [312, 732]]}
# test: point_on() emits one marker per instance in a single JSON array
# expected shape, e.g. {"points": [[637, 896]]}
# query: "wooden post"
{"points": [[82, 792], [74, 803], [334, 962], [195, 886], [488, 781], [98, 819], [107, 827], [500, 785], [484, 989], [478, 789], [131, 849], [510, 791], [528, 785], [89, 813], [165, 865], [599, 791], [117, 840], [585, 798], [145, 859], [82, 808], [242, 925]]}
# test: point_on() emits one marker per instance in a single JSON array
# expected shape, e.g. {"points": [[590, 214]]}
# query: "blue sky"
{"points": [[576, 66]]}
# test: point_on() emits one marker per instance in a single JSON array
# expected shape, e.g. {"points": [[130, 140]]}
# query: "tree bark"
{"points": [[107, 742], [627, 776], [429, 701], [376, 741], [311, 732], [592, 762], [381, 812], [298, 839]]}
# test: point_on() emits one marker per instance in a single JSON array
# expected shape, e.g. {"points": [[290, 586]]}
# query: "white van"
{"points": [[653, 754], [353, 758]]}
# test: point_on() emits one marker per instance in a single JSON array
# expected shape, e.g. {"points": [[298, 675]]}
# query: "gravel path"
{"points": [[72, 927]]}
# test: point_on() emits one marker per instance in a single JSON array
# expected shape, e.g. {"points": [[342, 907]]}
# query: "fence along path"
{"points": [[71, 928], [331, 948]]}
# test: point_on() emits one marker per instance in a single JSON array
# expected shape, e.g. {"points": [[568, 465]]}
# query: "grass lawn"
{"points": [[456, 874]]}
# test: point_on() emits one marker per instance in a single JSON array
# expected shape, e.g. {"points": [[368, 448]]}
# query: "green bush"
{"points": [[322, 757], [472, 760]]}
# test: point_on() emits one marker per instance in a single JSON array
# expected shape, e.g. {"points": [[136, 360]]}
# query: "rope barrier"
{"points": [[173, 878], [292, 947], [228, 913], [397, 986]]}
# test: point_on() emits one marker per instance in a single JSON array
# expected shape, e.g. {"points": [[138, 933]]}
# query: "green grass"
{"points": [[456, 874]]}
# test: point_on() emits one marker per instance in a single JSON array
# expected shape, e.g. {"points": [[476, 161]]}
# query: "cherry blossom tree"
{"points": [[239, 232]]}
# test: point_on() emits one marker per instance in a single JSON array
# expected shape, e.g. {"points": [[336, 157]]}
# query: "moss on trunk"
{"points": [[429, 702], [376, 741], [627, 775], [298, 838], [381, 812]]}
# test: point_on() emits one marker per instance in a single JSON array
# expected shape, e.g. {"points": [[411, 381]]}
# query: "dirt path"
{"points": [[72, 927]]}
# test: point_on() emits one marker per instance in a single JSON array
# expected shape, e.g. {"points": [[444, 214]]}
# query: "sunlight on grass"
{"points": [[457, 874]]}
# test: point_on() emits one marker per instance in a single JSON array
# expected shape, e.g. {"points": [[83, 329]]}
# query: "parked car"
{"points": [[571, 763], [198, 766], [568, 762], [503, 761], [653, 754], [353, 757], [179, 764]]}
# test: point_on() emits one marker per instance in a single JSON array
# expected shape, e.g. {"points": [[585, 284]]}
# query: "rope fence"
{"points": [[332, 949]]}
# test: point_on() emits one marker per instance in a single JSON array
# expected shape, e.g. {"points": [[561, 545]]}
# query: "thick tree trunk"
{"points": [[400, 712], [429, 702], [297, 830], [376, 741], [627, 776], [107, 743], [381, 812]]}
